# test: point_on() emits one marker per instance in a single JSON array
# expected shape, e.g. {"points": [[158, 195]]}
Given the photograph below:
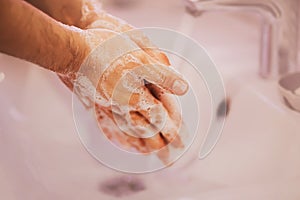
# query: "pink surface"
{"points": [[256, 158]]}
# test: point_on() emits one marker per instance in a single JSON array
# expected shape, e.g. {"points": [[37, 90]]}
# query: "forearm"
{"points": [[29, 34], [88, 14]]}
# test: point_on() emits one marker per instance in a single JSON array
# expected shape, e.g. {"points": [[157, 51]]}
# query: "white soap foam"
{"points": [[297, 91], [2, 76]]}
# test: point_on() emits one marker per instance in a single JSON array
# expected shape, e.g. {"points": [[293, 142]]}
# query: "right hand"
{"points": [[146, 106]]}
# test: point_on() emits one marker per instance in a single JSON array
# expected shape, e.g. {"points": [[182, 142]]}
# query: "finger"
{"points": [[142, 117], [147, 145], [126, 91], [144, 43], [140, 126], [164, 155], [169, 102], [170, 132], [165, 125], [163, 76], [156, 114], [106, 122], [149, 107], [133, 124], [158, 144], [110, 22]]}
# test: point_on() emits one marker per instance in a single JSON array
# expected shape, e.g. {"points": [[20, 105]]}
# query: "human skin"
{"points": [[43, 39], [29, 34], [38, 38]]}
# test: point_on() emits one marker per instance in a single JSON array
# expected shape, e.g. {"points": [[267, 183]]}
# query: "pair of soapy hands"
{"points": [[134, 100], [133, 80]]}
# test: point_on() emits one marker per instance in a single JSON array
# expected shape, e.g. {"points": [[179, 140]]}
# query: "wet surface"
{"points": [[122, 186]]}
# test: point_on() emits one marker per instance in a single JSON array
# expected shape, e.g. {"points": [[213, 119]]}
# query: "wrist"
{"points": [[80, 43], [77, 50]]}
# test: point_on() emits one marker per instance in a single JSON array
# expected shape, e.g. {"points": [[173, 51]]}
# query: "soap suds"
{"points": [[297, 91], [2, 76], [111, 80]]}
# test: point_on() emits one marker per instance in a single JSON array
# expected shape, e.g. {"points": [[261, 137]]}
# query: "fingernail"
{"points": [[179, 86]]}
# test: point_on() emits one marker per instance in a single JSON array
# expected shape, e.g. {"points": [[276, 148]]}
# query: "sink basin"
{"points": [[257, 156]]}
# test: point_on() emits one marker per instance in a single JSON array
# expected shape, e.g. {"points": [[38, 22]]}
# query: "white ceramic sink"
{"points": [[257, 157]]}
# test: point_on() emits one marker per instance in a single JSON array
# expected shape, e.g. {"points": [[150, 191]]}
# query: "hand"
{"points": [[154, 79], [142, 111]]}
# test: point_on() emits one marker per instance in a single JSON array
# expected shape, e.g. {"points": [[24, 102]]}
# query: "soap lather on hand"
{"points": [[297, 91], [62, 40]]}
